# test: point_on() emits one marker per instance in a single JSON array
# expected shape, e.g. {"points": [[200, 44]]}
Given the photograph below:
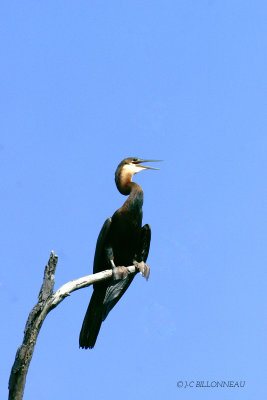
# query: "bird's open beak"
{"points": [[144, 161]]}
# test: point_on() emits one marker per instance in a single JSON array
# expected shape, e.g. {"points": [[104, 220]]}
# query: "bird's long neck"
{"points": [[135, 199], [127, 187]]}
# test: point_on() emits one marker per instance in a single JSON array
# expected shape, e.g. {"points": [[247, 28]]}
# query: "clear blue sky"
{"points": [[83, 85]]}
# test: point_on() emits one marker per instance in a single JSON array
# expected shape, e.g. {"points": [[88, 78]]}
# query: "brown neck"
{"points": [[134, 202], [127, 187], [124, 183]]}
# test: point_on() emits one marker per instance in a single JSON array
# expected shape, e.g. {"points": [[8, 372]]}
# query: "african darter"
{"points": [[122, 241]]}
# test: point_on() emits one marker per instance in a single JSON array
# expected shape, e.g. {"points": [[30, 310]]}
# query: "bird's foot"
{"points": [[119, 273], [143, 269]]}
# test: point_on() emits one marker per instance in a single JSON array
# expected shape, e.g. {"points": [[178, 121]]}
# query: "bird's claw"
{"points": [[120, 273], [143, 269]]}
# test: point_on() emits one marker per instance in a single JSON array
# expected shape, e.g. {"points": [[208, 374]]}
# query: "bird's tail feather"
{"points": [[92, 320]]}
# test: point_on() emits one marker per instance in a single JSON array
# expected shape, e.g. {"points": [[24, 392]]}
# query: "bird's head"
{"points": [[126, 169]]}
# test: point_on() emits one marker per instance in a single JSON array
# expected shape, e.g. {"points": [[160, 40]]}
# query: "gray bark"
{"points": [[47, 300]]}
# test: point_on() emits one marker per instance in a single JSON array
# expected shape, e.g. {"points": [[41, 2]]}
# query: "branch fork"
{"points": [[47, 300]]}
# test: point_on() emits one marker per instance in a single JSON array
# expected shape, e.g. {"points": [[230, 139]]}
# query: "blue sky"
{"points": [[84, 85]]}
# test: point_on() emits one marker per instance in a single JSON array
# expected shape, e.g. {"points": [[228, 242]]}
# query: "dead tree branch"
{"points": [[47, 301]]}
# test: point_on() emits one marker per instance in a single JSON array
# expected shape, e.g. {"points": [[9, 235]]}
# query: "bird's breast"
{"points": [[125, 236]]}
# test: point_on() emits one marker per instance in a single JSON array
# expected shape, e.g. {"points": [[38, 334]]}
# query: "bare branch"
{"points": [[49, 277], [80, 283], [47, 301]]}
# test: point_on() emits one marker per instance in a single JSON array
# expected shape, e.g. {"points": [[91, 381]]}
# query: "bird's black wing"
{"points": [[115, 289], [113, 294], [144, 243], [93, 317], [100, 262]]}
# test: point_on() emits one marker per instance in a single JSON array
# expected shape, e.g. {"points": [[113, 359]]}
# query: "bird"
{"points": [[122, 242]]}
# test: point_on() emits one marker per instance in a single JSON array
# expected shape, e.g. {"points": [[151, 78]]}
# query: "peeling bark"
{"points": [[47, 301]]}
